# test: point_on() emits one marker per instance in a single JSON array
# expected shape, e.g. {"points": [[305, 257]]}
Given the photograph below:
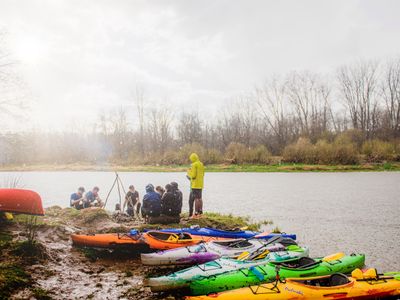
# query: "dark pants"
{"points": [[191, 203], [131, 209], [195, 194]]}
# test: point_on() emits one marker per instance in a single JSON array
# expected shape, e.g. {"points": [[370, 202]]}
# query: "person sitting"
{"points": [[160, 190], [151, 203], [77, 199], [178, 195], [92, 198], [132, 201]]}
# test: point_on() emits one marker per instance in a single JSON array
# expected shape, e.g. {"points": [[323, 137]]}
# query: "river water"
{"points": [[329, 212]]}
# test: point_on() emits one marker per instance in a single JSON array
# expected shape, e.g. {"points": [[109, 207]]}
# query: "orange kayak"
{"points": [[155, 240], [21, 201], [159, 240], [106, 240]]}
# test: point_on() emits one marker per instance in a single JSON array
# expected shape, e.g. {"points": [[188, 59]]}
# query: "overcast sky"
{"points": [[80, 57]]}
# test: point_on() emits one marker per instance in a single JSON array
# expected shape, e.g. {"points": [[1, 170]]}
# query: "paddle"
{"points": [[247, 254]]}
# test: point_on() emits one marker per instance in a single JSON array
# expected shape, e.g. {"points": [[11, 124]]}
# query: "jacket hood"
{"points": [[174, 185], [168, 188], [194, 157], [149, 188]]}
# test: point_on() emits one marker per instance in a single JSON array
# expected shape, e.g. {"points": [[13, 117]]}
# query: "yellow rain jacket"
{"points": [[196, 172]]}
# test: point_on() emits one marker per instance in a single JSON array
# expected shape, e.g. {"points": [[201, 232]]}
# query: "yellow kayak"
{"points": [[361, 285]]}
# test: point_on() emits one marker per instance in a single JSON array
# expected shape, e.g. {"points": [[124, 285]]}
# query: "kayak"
{"points": [[159, 240], [361, 285], [21, 201], [304, 267], [152, 239], [231, 234], [182, 278], [206, 252], [107, 240]]}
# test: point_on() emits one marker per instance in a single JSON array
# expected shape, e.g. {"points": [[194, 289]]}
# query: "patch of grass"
{"points": [[41, 294], [5, 240], [91, 215], [128, 273], [26, 249], [12, 278], [276, 230]]}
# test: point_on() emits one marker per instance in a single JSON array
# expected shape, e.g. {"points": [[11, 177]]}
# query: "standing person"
{"points": [[196, 177], [92, 198], [132, 201], [77, 199], [151, 203]]}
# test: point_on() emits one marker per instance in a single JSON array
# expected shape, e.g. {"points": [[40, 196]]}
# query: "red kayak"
{"points": [[21, 201]]}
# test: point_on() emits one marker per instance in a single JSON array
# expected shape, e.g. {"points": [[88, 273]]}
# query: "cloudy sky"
{"points": [[79, 57]]}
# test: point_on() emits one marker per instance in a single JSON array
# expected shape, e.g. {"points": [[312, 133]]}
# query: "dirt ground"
{"points": [[64, 272]]}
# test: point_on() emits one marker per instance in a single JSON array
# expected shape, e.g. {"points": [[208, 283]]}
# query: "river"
{"points": [[330, 212]]}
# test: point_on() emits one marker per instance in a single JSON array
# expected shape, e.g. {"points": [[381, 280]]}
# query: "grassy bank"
{"points": [[395, 166]]}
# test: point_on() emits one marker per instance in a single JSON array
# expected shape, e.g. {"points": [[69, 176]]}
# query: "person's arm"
{"points": [[125, 203], [137, 197], [192, 172]]}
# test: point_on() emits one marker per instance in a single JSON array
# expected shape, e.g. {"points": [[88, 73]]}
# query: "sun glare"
{"points": [[29, 50]]}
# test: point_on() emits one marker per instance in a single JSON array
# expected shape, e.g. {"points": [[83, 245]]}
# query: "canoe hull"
{"points": [[21, 201]]}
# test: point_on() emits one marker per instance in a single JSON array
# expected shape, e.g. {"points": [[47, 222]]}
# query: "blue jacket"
{"points": [[151, 202]]}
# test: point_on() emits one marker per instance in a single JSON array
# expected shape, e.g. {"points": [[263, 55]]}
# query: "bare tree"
{"points": [[189, 128], [160, 123], [390, 88], [12, 100], [272, 102], [358, 87], [309, 96], [140, 109]]}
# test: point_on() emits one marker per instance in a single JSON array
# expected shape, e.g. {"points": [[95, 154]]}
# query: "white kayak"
{"points": [[205, 252], [182, 279]]}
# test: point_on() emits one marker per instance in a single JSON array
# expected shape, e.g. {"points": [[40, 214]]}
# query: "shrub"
{"points": [[300, 152], [213, 156], [259, 154], [341, 151], [379, 151], [238, 153], [235, 152]]}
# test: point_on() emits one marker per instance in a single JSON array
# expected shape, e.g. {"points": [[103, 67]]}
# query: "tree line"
{"points": [[348, 116]]}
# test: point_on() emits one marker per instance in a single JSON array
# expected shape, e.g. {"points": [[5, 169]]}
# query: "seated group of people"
{"points": [[157, 202], [80, 200]]}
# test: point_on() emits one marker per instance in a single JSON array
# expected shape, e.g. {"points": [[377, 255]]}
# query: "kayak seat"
{"points": [[302, 263], [287, 242], [338, 279], [234, 244]]}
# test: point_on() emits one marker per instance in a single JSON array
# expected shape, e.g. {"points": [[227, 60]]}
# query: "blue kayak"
{"points": [[234, 234]]}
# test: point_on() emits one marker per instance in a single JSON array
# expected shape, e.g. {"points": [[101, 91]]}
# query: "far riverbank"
{"points": [[393, 166]]}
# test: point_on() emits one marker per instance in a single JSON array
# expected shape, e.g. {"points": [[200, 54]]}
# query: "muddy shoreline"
{"points": [[57, 270]]}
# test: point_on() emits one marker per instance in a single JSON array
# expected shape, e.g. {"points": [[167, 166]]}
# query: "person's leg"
{"points": [[138, 205], [200, 206], [196, 206], [130, 211], [191, 203]]}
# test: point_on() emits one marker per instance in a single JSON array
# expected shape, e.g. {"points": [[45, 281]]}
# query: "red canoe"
{"points": [[21, 201]]}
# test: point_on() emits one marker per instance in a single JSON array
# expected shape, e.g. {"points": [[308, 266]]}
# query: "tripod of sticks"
{"points": [[120, 187]]}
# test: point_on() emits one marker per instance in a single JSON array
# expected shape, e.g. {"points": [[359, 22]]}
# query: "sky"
{"points": [[77, 58]]}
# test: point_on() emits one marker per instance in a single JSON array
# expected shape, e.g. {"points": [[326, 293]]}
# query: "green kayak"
{"points": [[304, 267]]}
